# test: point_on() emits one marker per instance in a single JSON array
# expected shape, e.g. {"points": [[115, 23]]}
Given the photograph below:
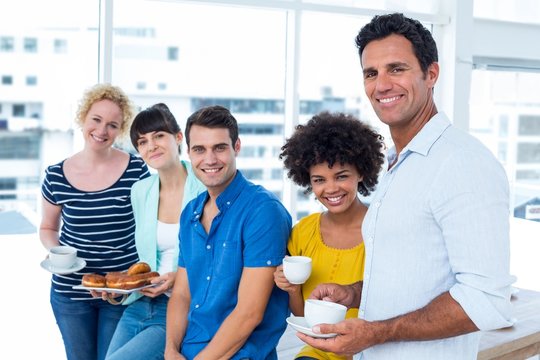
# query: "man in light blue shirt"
{"points": [[437, 230], [224, 304]]}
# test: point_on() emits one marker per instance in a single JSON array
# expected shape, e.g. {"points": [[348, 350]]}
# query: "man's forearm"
{"points": [[177, 313], [441, 318], [231, 335], [176, 324]]}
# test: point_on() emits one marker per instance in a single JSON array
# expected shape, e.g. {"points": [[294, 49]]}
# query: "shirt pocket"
{"points": [[228, 259]]}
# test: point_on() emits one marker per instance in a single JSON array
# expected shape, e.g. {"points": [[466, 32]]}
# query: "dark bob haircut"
{"points": [[334, 138], [158, 117]]}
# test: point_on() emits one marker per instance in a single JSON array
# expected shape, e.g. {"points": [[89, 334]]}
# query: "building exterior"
{"points": [[44, 73]]}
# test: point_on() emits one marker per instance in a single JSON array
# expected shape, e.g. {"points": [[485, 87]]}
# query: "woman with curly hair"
{"points": [[335, 156], [87, 205]]}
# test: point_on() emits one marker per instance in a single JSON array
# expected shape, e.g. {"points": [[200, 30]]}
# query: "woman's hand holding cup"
{"points": [[282, 282]]}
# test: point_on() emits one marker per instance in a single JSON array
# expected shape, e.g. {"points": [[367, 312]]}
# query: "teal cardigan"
{"points": [[145, 201]]}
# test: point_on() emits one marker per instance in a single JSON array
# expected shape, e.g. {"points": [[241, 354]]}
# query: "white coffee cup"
{"points": [[62, 257], [297, 269], [323, 312]]}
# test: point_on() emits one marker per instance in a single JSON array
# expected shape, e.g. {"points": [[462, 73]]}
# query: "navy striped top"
{"points": [[99, 224]]}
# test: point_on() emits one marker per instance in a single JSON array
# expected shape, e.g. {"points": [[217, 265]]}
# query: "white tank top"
{"points": [[167, 242]]}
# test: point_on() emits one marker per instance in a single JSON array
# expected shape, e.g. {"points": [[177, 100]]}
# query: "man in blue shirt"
{"points": [[224, 303], [437, 231]]}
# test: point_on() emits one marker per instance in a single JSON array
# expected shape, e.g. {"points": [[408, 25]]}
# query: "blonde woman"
{"points": [[87, 206]]}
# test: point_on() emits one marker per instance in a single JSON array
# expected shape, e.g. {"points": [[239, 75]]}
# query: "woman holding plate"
{"points": [[157, 204], [87, 205]]}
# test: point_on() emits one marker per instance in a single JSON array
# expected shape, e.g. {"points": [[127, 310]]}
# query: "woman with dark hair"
{"points": [[335, 156], [157, 204]]}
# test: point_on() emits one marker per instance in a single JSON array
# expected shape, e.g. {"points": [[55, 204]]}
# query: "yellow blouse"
{"points": [[341, 266]]}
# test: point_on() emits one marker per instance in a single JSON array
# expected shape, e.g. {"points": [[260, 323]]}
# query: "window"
{"points": [[141, 85], [528, 153], [8, 184], [505, 116], [162, 86], [253, 174], [30, 45], [19, 110], [7, 44], [276, 174], [172, 53], [31, 80], [246, 105], [260, 129], [7, 80], [19, 145], [529, 125], [60, 46]]}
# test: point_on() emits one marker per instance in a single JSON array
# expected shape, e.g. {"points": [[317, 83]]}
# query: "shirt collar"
{"points": [[231, 192], [225, 199], [426, 137]]}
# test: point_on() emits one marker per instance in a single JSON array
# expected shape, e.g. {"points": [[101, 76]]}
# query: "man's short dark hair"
{"points": [[213, 117], [382, 26]]}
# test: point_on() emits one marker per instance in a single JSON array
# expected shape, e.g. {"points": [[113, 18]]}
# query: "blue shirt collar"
{"points": [[226, 198], [231, 192]]}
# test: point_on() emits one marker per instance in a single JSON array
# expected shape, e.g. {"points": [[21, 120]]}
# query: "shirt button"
{"points": [[228, 203], [224, 244], [268, 262], [377, 204], [197, 306], [208, 247], [208, 278]]}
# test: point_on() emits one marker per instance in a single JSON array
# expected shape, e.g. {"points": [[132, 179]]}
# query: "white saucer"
{"points": [[299, 324], [79, 264]]}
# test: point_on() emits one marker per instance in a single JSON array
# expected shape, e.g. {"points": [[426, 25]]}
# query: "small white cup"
{"points": [[323, 312], [297, 269], [62, 257]]}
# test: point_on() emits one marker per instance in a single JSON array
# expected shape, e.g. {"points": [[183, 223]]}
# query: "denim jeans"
{"points": [[87, 326], [141, 331]]}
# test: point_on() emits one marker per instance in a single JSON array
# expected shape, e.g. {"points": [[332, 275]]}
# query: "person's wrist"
{"points": [[355, 291], [294, 289]]}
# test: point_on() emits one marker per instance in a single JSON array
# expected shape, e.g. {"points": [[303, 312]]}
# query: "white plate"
{"points": [[110, 290], [299, 324], [79, 265]]}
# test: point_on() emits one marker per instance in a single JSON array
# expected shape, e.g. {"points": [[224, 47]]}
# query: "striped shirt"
{"points": [[99, 224]]}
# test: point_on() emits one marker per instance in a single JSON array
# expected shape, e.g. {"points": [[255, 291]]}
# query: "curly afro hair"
{"points": [[334, 138]]}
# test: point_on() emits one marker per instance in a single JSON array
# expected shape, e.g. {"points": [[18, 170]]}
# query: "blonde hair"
{"points": [[106, 92]]}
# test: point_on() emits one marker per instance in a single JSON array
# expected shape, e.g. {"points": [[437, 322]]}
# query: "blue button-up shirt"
{"points": [[439, 221], [250, 230]]}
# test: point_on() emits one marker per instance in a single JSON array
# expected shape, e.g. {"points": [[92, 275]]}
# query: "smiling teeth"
{"points": [[388, 100], [334, 199], [211, 170]]}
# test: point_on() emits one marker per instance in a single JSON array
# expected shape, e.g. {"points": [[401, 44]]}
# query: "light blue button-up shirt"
{"points": [[439, 221]]}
